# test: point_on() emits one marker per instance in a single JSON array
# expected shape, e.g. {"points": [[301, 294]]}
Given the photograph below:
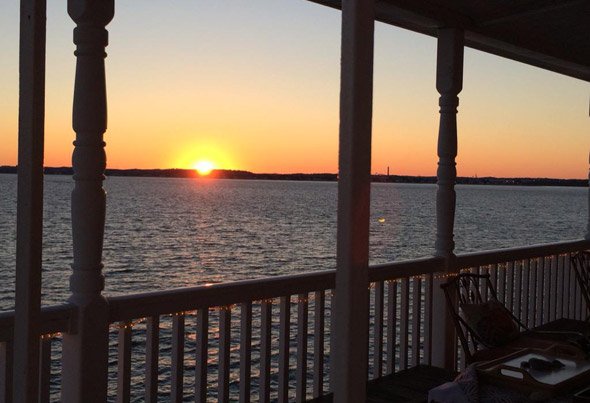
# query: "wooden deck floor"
{"points": [[411, 385]]}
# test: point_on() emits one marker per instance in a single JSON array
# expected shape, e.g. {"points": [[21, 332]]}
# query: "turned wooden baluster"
{"points": [[449, 81], [85, 351]]}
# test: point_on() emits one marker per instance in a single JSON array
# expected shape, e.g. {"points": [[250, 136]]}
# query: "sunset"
{"points": [[186, 186]]}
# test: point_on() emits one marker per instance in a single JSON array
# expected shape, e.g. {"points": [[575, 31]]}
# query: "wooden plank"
{"points": [[152, 353], [202, 355], [539, 297], [124, 363], [509, 276], [404, 323], [573, 287], [526, 296], [224, 354], [245, 351], [29, 213], [176, 393], [45, 369], [391, 325], [416, 319], [284, 337], [265, 350], [428, 319], [518, 272], [548, 296], [493, 270], [560, 287], [318, 344], [501, 269], [301, 373], [378, 331], [6, 357]]}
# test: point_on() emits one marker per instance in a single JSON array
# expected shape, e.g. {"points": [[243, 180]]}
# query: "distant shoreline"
{"points": [[329, 177]]}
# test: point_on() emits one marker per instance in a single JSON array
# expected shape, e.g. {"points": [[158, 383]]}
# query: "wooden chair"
{"points": [[468, 288], [581, 264]]}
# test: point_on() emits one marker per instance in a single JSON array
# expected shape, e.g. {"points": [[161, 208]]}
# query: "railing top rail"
{"points": [[54, 319], [127, 307], [475, 259]]}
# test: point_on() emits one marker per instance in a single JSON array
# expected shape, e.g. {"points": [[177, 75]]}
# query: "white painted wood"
{"points": [[349, 356], [177, 370], [554, 288], [301, 369], [560, 287], [378, 332], [124, 364], [404, 324], [265, 351], [548, 297], [29, 220], [526, 295], [449, 82], [428, 290], [224, 354], [85, 351], [152, 352], [416, 319], [6, 357], [540, 274], [518, 269], [509, 278], [202, 355], [45, 369], [318, 343], [245, 351], [284, 336], [391, 326]]}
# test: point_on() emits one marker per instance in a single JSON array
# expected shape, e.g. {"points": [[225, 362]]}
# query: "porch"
{"points": [[280, 338], [271, 339]]}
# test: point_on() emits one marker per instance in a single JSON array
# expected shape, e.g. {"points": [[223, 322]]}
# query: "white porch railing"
{"points": [[269, 339]]}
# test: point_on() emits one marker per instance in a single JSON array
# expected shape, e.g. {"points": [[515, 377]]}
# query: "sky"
{"points": [[254, 85]]}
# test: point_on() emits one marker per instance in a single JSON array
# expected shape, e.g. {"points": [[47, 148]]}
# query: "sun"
{"points": [[203, 167]]}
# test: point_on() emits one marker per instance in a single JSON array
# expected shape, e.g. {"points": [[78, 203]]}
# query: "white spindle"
{"points": [[548, 296], [518, 271], [540, 276], [202, 355], [124, 364], [284, 336], [572, 289], [378, 332], [265, 332], [560, 287], [245, 351], [302, 319], [509, 274], [85, 351], [45, 369], [224, 354], [391, 325], [152, 352], [416, 319], [526, 287], [404, 323], [176, 393], [428, 319], [349, 354], [318, 344]]}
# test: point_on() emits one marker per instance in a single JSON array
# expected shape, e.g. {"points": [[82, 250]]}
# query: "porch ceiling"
{"points": [[551, 34]]}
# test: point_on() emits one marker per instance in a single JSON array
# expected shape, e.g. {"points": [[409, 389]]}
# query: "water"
{"points": [[164, 233]]}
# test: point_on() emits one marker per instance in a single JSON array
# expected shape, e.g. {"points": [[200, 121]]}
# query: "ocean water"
{"points": [[165, 233]]}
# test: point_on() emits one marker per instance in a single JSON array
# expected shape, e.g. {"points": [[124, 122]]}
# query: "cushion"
{"points": [[491, 322]]}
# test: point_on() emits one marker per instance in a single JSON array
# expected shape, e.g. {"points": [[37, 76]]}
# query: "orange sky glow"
{"points": [[258, 90]]}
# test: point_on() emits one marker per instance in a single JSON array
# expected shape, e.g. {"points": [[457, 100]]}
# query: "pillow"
{"points": [[491, 322]]}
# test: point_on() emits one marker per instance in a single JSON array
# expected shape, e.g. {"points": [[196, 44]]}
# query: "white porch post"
{"points": [[85, 352], [349, 354], [449, 81], [29, 220]]}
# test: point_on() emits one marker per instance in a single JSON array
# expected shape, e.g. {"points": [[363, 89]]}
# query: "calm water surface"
{"points": [[164, 233]]}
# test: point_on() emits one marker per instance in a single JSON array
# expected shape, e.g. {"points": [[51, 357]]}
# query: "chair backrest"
{"points": [[469, 288], [581, 263]]}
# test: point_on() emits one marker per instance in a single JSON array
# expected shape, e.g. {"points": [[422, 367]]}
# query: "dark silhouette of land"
{"points": [[330, 177]]}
